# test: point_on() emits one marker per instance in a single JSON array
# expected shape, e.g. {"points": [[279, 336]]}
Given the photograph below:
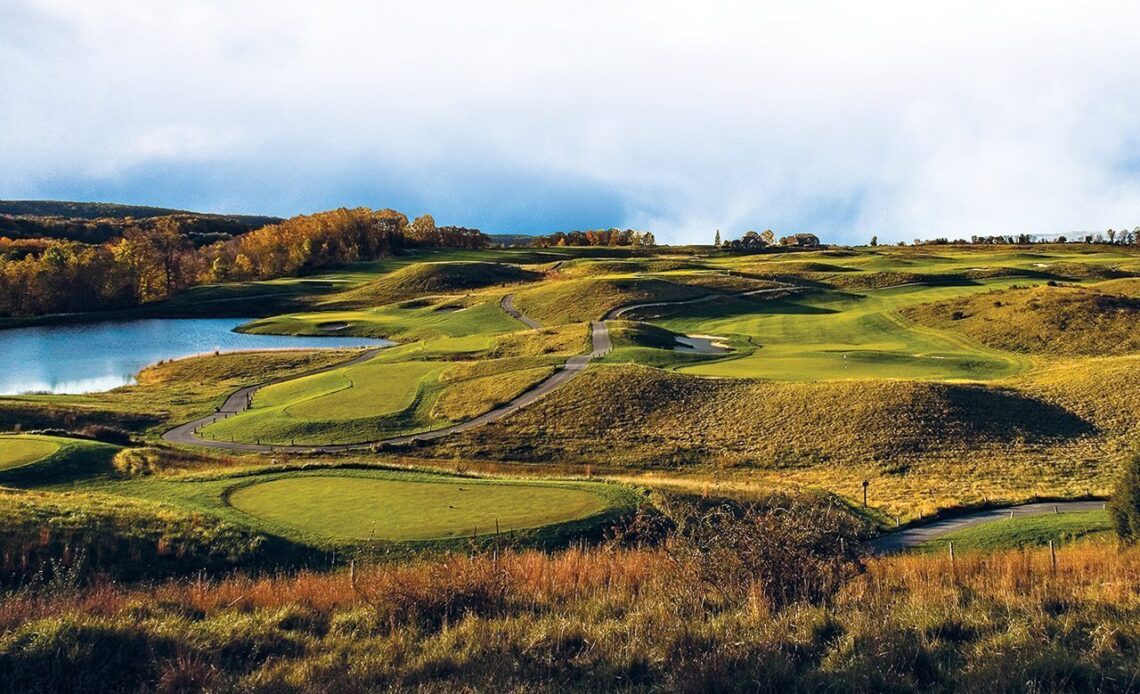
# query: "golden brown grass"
{"points": [[1041, 320], [584, 620]]}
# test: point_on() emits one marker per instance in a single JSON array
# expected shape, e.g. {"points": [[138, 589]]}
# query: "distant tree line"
{"points": [[753, 241], [596, 237], [150, 262], [1122, 237]]}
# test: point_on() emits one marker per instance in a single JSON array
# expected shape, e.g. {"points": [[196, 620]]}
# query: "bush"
{"points": [[1125, 505]]}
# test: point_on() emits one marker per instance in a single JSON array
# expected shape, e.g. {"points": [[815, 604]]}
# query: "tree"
{"points": [[874, 240], [768, 237], [422, 230], [716, 240], [1125, 505]]}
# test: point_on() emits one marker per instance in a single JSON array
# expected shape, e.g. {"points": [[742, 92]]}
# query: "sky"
{"points": [[900, 120]]}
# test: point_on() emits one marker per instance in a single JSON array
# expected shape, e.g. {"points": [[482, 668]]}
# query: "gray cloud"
{"points": [[896, 119]]}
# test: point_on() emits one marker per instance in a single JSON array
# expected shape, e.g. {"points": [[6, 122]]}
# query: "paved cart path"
{"points": [[915, 536]]}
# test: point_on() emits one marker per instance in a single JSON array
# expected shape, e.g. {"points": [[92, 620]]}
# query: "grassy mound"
{"points": [[474, 396], [363, 508], [32, 459], [1041, 320], [423, 279], [578, 300], [656, 418], [16, 451]]}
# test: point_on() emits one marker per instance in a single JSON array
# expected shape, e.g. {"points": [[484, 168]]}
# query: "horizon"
{"points": [[894, 121]]}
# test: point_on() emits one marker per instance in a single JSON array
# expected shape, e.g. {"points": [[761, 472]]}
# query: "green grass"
{"points": [[345, 506], [830, 335], [16, 451], [1028, 531], [32, 460], [358, 403], [356, 508], [403, 322]]}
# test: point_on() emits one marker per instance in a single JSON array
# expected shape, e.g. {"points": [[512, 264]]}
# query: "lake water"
{"points": [[101, 356]]}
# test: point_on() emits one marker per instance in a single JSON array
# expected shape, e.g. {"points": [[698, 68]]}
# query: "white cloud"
{"points": [[899, 119]]}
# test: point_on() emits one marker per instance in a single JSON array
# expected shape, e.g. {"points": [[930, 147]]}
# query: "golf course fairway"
{"points": [[361, 508]]}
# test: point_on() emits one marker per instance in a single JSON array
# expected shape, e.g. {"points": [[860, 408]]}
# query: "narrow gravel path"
{"points": [[239, 400], [915, 536]]}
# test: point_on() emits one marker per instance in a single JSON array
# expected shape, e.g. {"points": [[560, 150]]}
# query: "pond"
{"points": [[101, 356]]}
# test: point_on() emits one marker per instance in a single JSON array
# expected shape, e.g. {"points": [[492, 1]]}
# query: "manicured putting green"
{"points": [[360, 508], [21, 450]]}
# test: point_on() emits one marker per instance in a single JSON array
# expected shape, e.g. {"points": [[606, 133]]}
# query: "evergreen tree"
{"points": [[716, 241], [1125, 505]]}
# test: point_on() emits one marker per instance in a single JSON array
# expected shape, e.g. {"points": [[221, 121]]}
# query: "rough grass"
{"points": [[593, 620], [1041, 320], [429, 278], [1029, 531], [923, 446], [78, 534], [354, 508], [471, 397]]}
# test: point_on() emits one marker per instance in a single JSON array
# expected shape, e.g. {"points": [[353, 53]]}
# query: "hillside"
{"points": [[422, 279], [1047, 320], [109, 210], [97, 222]]}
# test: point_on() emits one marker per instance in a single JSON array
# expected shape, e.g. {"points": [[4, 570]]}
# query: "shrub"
{"points": [[1125, 505]]}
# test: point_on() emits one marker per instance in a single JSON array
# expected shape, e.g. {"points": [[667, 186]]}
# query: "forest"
{"points": [[152, 259], [596, 237]]}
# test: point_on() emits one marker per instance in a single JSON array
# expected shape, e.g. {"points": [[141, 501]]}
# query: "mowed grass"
{"points": [[829, 335], [357, 508], [403, 322], [1027, 531], [16, 451], [358, 403]]}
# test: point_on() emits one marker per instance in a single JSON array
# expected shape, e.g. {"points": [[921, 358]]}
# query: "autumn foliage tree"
{"points": [[153, 261]]}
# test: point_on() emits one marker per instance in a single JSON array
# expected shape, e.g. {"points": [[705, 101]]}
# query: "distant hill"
{"points": [[97, 222], [512, 239], [111, 210]]}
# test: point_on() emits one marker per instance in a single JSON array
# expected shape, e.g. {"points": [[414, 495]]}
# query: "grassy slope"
{"points": [[1044, 320], [16, 451], [425, 279], [409, 321], [1029, 531], [35, 460], [839, 335], [579, 300]]}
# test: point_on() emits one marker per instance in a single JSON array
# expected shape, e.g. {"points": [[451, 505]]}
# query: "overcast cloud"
{"points": [[898, 119]]}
